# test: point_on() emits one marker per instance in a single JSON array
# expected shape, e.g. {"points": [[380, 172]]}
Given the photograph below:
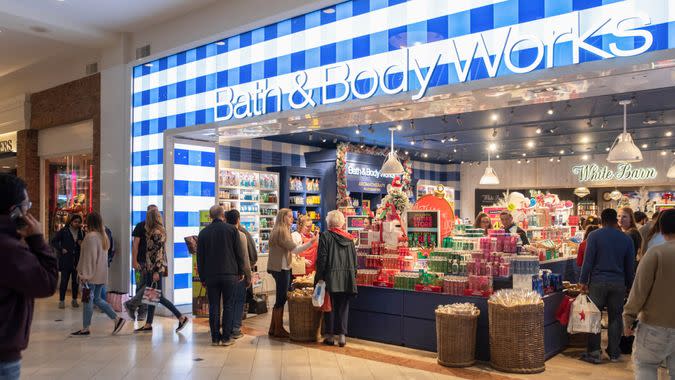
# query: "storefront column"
{"points": [[28, 165]]}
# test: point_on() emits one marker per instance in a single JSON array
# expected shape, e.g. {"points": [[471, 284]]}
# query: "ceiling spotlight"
{"points": [[399, 127], [524, 154], [358, 129], [461, 162], [530, 144], [495, 117], [148, 64], [527, 161], [323, 140], [663, 152], [220, 43], [497, 156], [550, 110], [371, 129], [412, 124], [454, 150], [550, 159], [329, 10], [604, 123], [492, 147], [649, 120], [552, 130], [584, 140], [585, 157], [558, 159], [444, 139], [519, 161], [562, 151], [669, 133], [453, 139], [412, 142], [425, 155], [406, 152], [538, 131], [589, 123], [644, 146], [362, 146]]}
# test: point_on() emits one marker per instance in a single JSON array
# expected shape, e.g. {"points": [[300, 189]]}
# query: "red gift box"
{"points": [[428, 288]]}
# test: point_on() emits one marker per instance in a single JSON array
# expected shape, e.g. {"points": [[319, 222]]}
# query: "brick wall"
{"points": [[65, 104]]}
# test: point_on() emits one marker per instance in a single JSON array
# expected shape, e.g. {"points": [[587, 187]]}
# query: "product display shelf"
{"points": [[300, 191], [258, 193], [423, 228]]}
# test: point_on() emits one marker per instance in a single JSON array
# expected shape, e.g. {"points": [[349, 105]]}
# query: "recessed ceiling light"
{"points": [[497, 156], [425, 155], [530, 144], [358, 130], [663, 152], [454, 150], [607, 149], [220, 43], [550, 110], [669, 133], [585, 157], [524, 154], [148, 64], [585, 140], [495, 117], [412, 142], [562, 151], [538, 131], [644, 146], [399, 127], [492, 147], [329, 10], [406, 152]]}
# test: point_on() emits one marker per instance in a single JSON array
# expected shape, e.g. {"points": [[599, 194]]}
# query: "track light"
{"points": [[425, 155], [371, 129], [358, 130], [444, 139], [412, 142], [323, 140], [550, 110], [538, 131], [412, 124]]}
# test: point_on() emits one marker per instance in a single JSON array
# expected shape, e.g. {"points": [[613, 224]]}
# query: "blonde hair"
{"points": [[303, 220], [153, 221], [282, 230], [335, 219]]}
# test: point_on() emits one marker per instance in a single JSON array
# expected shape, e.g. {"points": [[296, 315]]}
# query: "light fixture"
{"points": [[358, 130], [644, 146], [671, 170], [607, 149], [538, 131], [527, 161], [329, 11], [489, 177], [585, 140], [323, 140], [581, 192], [310, 136], [550, 110], [519, 161], [454, 139], [558, 159], [148, 64], [495, 117], [669, 133], [604, 123], [624, 149], [392, 165], [663, 152], [399, 127], [585, 157], [524, 154], [406, 152], [412, 142], [335, 140], [492, 147], [494, 132], [220, 43], [412, 124], [615, 195], [550, 159], [425, 155], [497, 156], [530, 144], [444, 139], [454, 150]]}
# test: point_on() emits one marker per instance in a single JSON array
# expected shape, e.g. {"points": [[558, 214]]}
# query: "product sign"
{"points": [[447, 214], [8, 142], [623, 172], [357, 222]]}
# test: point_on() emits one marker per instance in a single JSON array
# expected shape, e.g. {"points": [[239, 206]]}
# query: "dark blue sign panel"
{"points": [[363, 174]]}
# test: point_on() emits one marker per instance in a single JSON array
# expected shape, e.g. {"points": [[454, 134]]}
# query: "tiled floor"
{"points": [[52, 354]]}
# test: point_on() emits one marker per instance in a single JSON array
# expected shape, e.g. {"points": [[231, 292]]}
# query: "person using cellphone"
{"points": [[29, 270]]}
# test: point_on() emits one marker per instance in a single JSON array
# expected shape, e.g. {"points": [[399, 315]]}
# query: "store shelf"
{"points": [[419, 229], [239, 188]]}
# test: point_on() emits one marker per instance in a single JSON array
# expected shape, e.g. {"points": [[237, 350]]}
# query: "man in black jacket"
{"points": [[29, 270], [221, 267], [509, 226]]}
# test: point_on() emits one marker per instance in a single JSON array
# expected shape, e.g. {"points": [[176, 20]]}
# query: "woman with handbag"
{"points": [[93, 270], [336, 265], [282, 250], [305, 261], [156, 269]]}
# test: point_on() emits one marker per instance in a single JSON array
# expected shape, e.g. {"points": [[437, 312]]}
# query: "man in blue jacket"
{"points": [[606, 274]]}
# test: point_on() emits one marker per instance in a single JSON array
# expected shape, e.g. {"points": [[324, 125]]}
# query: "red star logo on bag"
{"points": [[582, 315]]}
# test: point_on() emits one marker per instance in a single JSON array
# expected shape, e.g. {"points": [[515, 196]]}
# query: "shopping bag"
{"points": [[319, 294], [584, 316], [327, 306], [191, 242], [562, 315], [298, 266], [151, 295], [116, 300]]}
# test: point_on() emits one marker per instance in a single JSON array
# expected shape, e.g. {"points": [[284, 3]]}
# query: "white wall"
{"points": [[540, 173]]}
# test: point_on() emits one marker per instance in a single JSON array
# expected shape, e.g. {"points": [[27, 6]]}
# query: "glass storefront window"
{"points": [[69, 188]]}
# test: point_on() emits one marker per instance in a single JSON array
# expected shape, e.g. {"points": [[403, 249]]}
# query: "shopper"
{"points": [[509, 226], [654, 237], [139, 249], [644, 230], [648, 298], [606, 273], [233, 218], [221, 266], [483, 222], [336, 265], [640, 219], [93, 271], [628, 226], [302, 236], [282, 247], [66, 244], [252, 249], [156, 268], [582, 247], [111, 255], [29, 270]]}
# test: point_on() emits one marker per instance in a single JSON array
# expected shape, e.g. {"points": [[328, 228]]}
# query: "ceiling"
{"points": [[584, 127], [36, 30]]}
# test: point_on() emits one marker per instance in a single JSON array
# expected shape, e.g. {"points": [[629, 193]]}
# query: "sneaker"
{"points": [[182, 323], [615, 359], [215, 343], [118, 325], [237, 335], [80, 333], [329, 340], [590, 358], [62, 305], [75, 304], [227, 343], [131, 310], [143, 329], [342, 340]]}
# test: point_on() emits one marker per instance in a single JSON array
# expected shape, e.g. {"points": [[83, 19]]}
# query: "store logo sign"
{"points": [[343, 81], [6, 146], [623, 172], [367, 172]]}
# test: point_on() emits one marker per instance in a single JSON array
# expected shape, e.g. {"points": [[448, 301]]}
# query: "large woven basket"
{"points": [[517, 338], [304, 319], [456, 339]]}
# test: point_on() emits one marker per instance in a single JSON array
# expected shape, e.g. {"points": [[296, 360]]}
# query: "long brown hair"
{"points": [[590, 229], [282, 230], [153, 222], [655, 229], [95, 224], [479, 217]]}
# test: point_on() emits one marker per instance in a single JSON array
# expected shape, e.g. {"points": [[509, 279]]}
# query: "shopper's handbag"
{"points": [[151, 295], [319, 294], [563, 312], [116, 300], [298, 267], [86, 293], [327, 306], [585, 317]]}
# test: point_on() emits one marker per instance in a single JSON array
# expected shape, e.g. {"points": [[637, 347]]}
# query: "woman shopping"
{"points": [[302, 236], [336, 266], [93, 271], [483, 222], [628, 226], [66, 245], [282, 250], [156, 268]]}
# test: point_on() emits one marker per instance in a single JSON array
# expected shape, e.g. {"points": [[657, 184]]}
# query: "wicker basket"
{"points": [[304, 319], [517, 338], [456, 339]]}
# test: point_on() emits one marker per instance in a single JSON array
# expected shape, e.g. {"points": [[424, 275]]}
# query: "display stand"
{"points": [[256, 196], [297, 195], [423, 228]]}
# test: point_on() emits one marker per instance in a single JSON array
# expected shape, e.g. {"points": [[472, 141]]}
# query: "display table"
{"points": [[407, 318], [566, 266]]}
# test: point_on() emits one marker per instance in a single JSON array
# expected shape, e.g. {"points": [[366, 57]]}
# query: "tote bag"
{"points": [[584, 317]]}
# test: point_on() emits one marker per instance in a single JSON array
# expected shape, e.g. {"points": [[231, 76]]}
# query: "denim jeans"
{"points": [[104, 293], [610, 296], [653, 345], [10, 370], [239, 302], [221, 289], [282, 280], [95, 298], [165, 302]]}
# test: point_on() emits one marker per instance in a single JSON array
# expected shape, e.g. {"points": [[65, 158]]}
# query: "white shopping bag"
{"points": [[585, 317], [319, 294]]}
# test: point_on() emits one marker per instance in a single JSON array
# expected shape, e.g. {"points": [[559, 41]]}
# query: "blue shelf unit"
{"points": [[287, 173]]}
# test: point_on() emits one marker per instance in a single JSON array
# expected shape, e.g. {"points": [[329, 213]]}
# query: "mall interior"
{"points": [[411, 118]]}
